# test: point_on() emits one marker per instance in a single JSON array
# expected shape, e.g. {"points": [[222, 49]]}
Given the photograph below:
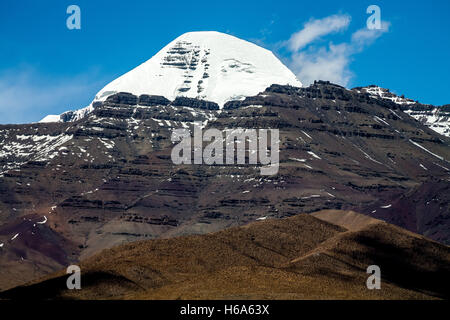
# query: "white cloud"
{"points": [[323, 64], [330, 62], [316, 28], [364, 37], [27, 96]]}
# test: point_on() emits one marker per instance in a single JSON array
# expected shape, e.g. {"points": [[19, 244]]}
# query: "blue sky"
{"points": [[46, 68]]}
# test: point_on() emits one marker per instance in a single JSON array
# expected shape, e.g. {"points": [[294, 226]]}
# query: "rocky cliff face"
{"points": [[108, 178], [436, 118]]}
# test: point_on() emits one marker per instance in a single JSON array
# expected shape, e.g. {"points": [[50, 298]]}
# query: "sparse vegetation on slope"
{"points": [[301, 257]]}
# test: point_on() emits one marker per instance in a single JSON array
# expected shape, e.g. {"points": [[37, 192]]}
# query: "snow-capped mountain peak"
{"points": [[206, 65]]}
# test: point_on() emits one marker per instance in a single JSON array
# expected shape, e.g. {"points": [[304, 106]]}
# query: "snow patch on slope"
{"points": [[29, 147], [69, 116], [378, 92], [436, 118]]}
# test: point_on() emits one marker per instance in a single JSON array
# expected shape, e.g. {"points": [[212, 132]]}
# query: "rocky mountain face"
{"points": [[435, 117], [69, 190]]}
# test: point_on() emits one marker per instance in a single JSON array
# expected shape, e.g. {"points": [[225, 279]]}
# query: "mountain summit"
{"points": [[205, 65]]}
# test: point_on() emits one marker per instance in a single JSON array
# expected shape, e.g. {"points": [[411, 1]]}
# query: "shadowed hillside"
{"points": [[319, 256]]}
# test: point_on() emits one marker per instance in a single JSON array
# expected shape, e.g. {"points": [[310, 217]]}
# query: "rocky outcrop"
{"points": [[234, 104], [151, 100], [435, 117], [123, 98], [195, 103]]}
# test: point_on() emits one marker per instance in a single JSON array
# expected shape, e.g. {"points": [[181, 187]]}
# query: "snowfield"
{"points": [[206, 65]]}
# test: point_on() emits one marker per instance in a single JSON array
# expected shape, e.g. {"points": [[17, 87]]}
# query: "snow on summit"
{"points": [[206, 65]]}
